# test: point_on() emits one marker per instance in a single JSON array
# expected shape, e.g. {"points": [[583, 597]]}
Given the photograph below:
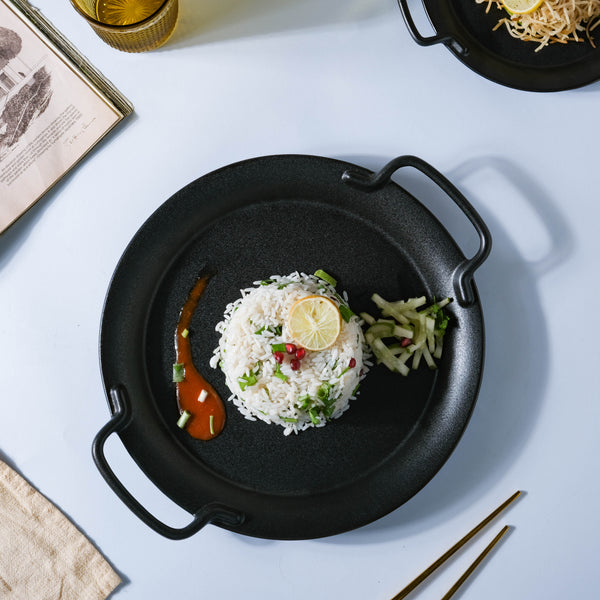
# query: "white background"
{"points": [[343, 80]]}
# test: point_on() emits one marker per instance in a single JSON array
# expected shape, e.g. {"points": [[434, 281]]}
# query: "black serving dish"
{"points": [[466, 30], [245, 222]]}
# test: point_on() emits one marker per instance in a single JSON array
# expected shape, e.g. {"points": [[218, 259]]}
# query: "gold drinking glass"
{"points": [[130, 25]]}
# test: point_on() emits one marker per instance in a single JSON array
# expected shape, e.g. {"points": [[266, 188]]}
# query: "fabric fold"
{"points": [[43, 556]]}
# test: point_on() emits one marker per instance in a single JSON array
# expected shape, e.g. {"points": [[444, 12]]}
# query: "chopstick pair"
{"points": [[444, 557]]}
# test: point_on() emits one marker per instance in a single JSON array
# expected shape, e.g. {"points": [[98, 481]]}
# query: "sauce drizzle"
{"points": [[207, 417]]}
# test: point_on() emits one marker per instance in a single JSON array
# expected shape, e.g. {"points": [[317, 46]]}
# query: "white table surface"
{"points": [[343, 80]]}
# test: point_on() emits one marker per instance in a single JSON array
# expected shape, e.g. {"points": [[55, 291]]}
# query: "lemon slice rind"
{"points": [[521, 7]]}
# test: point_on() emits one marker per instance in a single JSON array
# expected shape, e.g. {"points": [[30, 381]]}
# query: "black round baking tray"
{"points": [[466, 29], [243, 223]]}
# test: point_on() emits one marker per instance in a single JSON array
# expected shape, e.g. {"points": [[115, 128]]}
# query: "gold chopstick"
{"points": [[444, 557], [475, 563]]}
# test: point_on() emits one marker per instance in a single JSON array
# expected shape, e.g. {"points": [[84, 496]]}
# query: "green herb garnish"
{"points": [[346, 312], [313, 413], [276, 330], [247, 380], [183, 419], [323, 391], [178, 372], [278, 372], [441, 319], [325, 277], [305, 402]]}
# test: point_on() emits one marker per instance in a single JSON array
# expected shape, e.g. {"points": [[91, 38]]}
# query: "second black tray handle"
{"points": [[210, 513], [463, 274], [438, 38]]}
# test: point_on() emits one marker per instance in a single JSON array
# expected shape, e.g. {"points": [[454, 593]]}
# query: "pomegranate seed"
{"points": [[278, 356], [352, 363], [294, 364], [290, 348], [405, 342], [300, 353]]}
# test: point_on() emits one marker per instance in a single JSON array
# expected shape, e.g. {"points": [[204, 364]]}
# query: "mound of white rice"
{"points": [[320, 389]]}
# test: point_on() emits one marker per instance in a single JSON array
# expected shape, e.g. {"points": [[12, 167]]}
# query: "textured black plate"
{"points": [[253, 219], [467, 31]]}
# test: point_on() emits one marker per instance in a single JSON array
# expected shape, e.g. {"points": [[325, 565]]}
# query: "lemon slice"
{"points": [[521, 7], [314, 322]]}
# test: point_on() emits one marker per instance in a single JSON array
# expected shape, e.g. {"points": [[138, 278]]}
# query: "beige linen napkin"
{"points": [[43, 556]]}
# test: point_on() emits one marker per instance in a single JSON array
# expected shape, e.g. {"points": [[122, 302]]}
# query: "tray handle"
{"points": [[463, 274], [210, 513], [445, 39]]}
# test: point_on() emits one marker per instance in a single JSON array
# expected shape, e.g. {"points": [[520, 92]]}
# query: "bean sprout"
{"points": [[555, 21]]}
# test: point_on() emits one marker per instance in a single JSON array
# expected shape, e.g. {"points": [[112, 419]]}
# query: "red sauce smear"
{"points": [[200, 425]]}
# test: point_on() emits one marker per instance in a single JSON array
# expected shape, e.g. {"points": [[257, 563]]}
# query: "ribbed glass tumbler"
{"points": [[151, 31]]}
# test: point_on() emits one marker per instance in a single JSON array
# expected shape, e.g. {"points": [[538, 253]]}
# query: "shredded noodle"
{"points": [[555, 21]]}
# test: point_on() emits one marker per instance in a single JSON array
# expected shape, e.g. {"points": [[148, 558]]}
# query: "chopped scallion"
{"points": [[305, 402], [313, 414], [183, 419], [275, 330], [278, 347], [178, 372], [323, 391], [325, 277], [279, 374], [247, 380], [346, 312], [185, 333], [211, 424]]}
